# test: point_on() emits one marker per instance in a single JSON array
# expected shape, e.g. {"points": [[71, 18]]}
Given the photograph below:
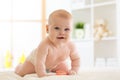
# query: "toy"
{"points": [[22, 58], [8, 59], [100, 29], [61, 72]]}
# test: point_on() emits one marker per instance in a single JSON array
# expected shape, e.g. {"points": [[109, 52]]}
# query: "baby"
{"points": [[54, 50]]}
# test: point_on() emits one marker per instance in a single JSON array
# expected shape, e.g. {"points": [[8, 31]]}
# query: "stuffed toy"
{"points": [[100, 29]]}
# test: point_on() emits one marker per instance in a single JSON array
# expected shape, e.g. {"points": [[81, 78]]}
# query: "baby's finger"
{"points": [[72, 72]]}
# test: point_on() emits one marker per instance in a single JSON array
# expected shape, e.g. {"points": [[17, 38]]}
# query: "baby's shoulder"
{"points": [[71, 44], [43, 44], [73, 48]]}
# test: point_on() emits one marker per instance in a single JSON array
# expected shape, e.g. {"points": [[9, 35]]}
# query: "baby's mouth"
{"points": [[60, 38]]}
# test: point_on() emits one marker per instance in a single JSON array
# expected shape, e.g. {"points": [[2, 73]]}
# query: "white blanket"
{"points": [[83, 75]]}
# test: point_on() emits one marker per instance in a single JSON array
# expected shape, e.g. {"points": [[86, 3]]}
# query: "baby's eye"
{"points": [[67, 29], [57, 28]]}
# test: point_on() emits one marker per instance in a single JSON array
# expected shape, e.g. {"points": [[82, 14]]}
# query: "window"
{"points": [[20, 27]]}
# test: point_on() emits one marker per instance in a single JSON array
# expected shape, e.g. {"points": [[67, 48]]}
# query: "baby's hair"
{"points": [[59, 13]]}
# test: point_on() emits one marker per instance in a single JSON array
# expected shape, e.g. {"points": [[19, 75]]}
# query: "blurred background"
{"points": [[96, 30]]}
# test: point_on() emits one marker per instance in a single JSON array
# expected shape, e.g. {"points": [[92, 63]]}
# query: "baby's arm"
{"points": [[75, 60], [40, 60]]}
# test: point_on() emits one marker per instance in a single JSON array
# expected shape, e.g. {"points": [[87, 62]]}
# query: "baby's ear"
{"points": [[47, 28]]}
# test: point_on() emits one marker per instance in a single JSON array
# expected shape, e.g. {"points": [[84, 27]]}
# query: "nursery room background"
{"points": [[95, 33]]}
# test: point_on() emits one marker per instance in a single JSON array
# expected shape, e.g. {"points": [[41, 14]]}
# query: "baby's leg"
{"points": [[61, 66], [26, 68]]}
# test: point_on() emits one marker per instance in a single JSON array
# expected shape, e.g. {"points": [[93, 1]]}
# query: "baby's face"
{"points": [[60, 30]]}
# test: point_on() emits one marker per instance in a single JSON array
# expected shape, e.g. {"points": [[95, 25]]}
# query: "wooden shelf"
{"points": [[110, 38], [76, 6], [104, 4]]}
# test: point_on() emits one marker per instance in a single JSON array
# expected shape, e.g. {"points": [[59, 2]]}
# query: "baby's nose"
{"points": [[62, 32]]}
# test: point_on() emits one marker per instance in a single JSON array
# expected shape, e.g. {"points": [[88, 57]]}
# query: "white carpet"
{"points": [[113, 74]]}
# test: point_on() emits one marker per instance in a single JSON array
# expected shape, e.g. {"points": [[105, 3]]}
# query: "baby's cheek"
{"points": [[68, 38]]}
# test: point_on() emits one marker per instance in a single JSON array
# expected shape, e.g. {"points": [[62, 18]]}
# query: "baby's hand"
{"points": [[72, 72]]}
